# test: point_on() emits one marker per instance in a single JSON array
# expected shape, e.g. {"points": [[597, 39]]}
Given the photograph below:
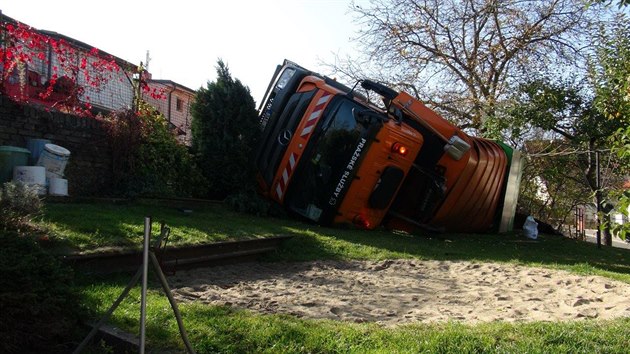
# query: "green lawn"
{"points": [[548, 251], [218, 329], [89, 227], [214, 329], [94, 226]]}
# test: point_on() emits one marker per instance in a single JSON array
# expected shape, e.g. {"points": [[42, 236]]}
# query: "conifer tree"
{"points": [[224, 131]]}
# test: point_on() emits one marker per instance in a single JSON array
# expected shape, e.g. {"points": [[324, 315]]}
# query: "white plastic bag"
{"points": [[530, 228]]}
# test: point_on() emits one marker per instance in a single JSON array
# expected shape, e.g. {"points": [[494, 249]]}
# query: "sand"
{"points": [[395, 292]]}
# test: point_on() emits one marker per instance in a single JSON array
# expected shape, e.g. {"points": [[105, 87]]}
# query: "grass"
{"points": [[548, 251], [89, 227], [94, 226], [220, 329], [214, 329]]}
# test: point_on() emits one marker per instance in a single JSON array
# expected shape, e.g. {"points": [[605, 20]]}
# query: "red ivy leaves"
{"points": [[24, 44], [154, 92]]}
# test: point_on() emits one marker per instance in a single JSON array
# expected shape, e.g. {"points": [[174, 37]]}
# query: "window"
{"points": [[326, 171], [179, 104]]}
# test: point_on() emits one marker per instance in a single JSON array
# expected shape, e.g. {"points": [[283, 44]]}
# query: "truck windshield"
{"points": [[328, 166]]}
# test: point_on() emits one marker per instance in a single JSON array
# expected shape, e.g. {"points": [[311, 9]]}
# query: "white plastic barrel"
{"points": [[54, 159], [58, 186], [32, 176]]}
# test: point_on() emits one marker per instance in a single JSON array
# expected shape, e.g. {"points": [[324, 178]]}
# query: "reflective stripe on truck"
{"points": [[297, 144]]}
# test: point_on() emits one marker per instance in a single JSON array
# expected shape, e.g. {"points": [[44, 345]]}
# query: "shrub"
{"points": [[19, 204], [36, 302], [147, 159], [250, 202]]}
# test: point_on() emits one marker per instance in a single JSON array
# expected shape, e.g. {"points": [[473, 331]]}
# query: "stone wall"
{"points": [[89, 168]]}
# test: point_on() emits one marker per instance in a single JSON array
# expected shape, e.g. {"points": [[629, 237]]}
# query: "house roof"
{"points": [[171, 83], [128, 66], [82, 45], [74, 42]]}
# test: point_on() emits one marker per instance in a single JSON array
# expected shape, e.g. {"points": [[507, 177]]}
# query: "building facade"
{"points": [[174, 105], [53, 70]]}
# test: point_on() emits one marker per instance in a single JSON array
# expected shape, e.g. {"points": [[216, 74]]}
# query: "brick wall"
{"points": [[89, 169]]}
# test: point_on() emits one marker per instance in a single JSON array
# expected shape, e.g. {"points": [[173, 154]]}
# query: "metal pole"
{"points": [[169, 295], [145, 271], [582, 224], [577, 222], [109, 312], [598, 197]]}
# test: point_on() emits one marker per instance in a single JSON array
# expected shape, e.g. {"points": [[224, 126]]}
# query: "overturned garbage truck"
{"points": [[329, 155]]}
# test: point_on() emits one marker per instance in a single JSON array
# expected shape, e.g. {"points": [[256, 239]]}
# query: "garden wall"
{"points": [[89, 168]]}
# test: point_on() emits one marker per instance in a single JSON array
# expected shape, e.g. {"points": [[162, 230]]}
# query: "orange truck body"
{"points": [[329, 155]]}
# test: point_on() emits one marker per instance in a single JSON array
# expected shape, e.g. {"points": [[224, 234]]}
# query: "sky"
{"points": [[186, 37]]}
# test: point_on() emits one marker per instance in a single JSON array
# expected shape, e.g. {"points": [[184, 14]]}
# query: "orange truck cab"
{"points": [[329, 155]]}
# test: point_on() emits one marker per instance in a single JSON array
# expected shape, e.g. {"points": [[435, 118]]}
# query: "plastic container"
{"points": [[35, 146], [54, 159], [32, 176], [11, 156], [58, 187], [530, 228]]}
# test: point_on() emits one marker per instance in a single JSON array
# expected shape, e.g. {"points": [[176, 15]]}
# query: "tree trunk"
{"points": [[607, 232]]}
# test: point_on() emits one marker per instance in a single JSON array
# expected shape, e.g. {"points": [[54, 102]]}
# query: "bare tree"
{"points": [[462, 57]]}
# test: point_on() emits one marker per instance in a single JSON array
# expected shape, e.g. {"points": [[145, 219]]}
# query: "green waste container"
{"points": [[11, 156]]}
